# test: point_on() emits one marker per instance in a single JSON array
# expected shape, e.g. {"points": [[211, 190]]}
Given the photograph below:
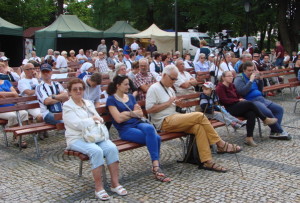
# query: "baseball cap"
{"points": [[211, 55], [25, 61], [120, 49], [209, 85], [4, 58], [46, 66]]}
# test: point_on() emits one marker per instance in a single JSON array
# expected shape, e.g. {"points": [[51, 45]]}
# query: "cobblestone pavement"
{"points": [[271, 171]]}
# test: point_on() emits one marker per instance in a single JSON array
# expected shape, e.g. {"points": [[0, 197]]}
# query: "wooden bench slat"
{"points": [[13, 100], [19, 107], [34, 130], [34, 125]]}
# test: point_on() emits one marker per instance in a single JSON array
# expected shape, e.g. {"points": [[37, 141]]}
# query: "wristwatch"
{"points": [[53, 96]]}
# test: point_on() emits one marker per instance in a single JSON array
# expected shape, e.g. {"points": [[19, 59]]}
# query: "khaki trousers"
{"points": [[194, 123]]}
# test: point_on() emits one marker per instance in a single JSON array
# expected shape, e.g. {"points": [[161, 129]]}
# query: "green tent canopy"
{"points": [[119, 29], [7, 28], [65, 26]]}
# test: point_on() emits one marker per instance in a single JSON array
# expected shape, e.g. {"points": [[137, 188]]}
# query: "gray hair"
{"points": [[177, 61], [246, 55], [169, 68], [201, 55], [117, 68], [144, 59], [56, 53], [64, 53]]}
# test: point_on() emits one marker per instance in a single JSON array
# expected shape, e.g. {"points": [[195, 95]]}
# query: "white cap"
{"points": [[4, 58], [25, 61], [209, 85], [211, 55]]}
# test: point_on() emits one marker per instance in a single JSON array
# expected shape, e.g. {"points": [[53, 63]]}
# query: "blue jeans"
{"points": [[145, 134], [271, 110], [97, 151], [279, 62], [49, 118]]}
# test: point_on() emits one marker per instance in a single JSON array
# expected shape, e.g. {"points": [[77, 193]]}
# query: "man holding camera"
{"points": [[249, 85], [161, 105], [50, 94]]}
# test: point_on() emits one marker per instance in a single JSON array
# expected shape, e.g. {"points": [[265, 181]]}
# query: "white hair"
{"points": [[144, 59], [169, 68], [177, 61], [202, 55], [117, 68]]}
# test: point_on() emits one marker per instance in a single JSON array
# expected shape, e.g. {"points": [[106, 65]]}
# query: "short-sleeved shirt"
{"points": [[131, 123], [157, 95], [140, 80], [61, 62], [27, 84], [203, 67], [182, 78], [43, 91], [91, 93], [102, 66], [5, 87]]}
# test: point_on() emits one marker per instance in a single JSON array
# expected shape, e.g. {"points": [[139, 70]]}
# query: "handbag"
{"points": [[95, 133], [142, 119]]}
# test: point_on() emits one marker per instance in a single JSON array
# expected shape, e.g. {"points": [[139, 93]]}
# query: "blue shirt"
{"points": [[203, 67], [125, 50], [237, 65], [254, 92], [131, 123], [81, 75], [138, 57], [5, 87]]}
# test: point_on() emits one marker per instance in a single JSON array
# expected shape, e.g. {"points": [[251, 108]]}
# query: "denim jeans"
{"points": [[279, 62], [97, 151], [49, 118], [271, 110], [144, 133]]}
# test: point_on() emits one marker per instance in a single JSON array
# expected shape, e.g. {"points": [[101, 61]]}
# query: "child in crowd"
{"points": [[210, 106]]}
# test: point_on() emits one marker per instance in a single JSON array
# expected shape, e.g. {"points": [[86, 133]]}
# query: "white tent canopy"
{"points": [[165, 41]]}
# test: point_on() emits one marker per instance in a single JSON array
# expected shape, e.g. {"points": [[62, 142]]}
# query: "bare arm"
{"points": [[13, 93], [119, 117], [29, 92]]}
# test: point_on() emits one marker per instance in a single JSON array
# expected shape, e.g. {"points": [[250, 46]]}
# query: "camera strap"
{"points": [[164, 88]]}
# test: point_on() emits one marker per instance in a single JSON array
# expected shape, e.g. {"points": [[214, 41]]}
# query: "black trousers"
{"points": [[248, 110]]}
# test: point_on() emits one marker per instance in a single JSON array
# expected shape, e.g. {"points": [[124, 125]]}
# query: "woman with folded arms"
{"points": [[129, 124], [78, 114]]}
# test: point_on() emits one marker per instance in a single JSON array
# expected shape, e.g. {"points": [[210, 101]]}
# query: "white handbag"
{"points": [[95, 133]]}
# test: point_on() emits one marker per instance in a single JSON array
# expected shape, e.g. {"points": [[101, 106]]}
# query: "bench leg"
{"points": [[20, 142], [80, 168], [296, 105], [37, 149], [259, 128], [5, 135]]}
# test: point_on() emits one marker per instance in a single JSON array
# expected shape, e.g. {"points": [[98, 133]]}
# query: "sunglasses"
{"points": [[30, 69]]}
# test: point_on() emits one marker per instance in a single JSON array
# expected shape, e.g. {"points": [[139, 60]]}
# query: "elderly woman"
{"points": [[201, 65], [86, 69], [6, 74], [95, 55], [78, 114], [72, 57], [6, 91], [126, 115], [121, 70], [237, 106]]}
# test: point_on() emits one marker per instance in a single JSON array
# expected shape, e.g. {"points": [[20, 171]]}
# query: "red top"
{"points": [[281, 50], [227, 95]]}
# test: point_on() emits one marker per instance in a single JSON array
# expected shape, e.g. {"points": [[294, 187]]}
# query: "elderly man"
{"points": [[34, 57], [102, 46], [134, 46], [144, 79], [249, 85], [81, 57], [151, 47], [185, 83], [49, 54], [101, 64], [243, 59], [161, 105], [50, 94], [61, 63]]}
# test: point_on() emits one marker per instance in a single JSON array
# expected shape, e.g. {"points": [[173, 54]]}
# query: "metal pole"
{"points": [[176, 28], [247, 31]]}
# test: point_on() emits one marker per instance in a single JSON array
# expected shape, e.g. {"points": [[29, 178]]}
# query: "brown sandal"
{"points": [[159, 175], [224, 149], [213, 167]]}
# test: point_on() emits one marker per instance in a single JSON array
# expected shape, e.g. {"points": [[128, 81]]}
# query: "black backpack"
{"points": [[192, 155]]}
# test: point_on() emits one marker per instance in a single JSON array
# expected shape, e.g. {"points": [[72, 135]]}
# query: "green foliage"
{"points": [[81, 9]]}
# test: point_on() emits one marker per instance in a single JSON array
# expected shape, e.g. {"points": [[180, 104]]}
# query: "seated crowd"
{"points": [[138, 74]]}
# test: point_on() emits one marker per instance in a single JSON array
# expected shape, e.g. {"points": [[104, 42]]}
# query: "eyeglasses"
{"points": [[76, 89], [173, 79], [202, 57], [30, 69], [255, 56]]}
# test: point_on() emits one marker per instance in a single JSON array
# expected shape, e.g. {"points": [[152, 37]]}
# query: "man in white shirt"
{"points": [[27, 87], [129, 62], [61, 63], [34, 57], [51, 95], [161, 105], [81, 57], [134, 46], [101, 64], [50, 53]]}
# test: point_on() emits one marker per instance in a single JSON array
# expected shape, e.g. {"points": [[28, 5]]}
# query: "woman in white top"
{"points": [[79, 114], [226, 65]]}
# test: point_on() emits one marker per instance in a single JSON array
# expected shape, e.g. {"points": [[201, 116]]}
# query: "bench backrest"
{"points": [[20, 104]]}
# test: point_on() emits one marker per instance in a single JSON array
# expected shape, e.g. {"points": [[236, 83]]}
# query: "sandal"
{"points": [[119, 190], [159, 175], [102, 195], [23, 144], [212, 167], [224, 149]]}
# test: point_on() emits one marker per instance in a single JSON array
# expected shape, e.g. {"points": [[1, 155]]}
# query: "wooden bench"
{"points": [[276, 73], [121, 144], [19, 131]]}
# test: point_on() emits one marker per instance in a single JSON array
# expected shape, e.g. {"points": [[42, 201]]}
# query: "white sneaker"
{"points": [[281, 136]]}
